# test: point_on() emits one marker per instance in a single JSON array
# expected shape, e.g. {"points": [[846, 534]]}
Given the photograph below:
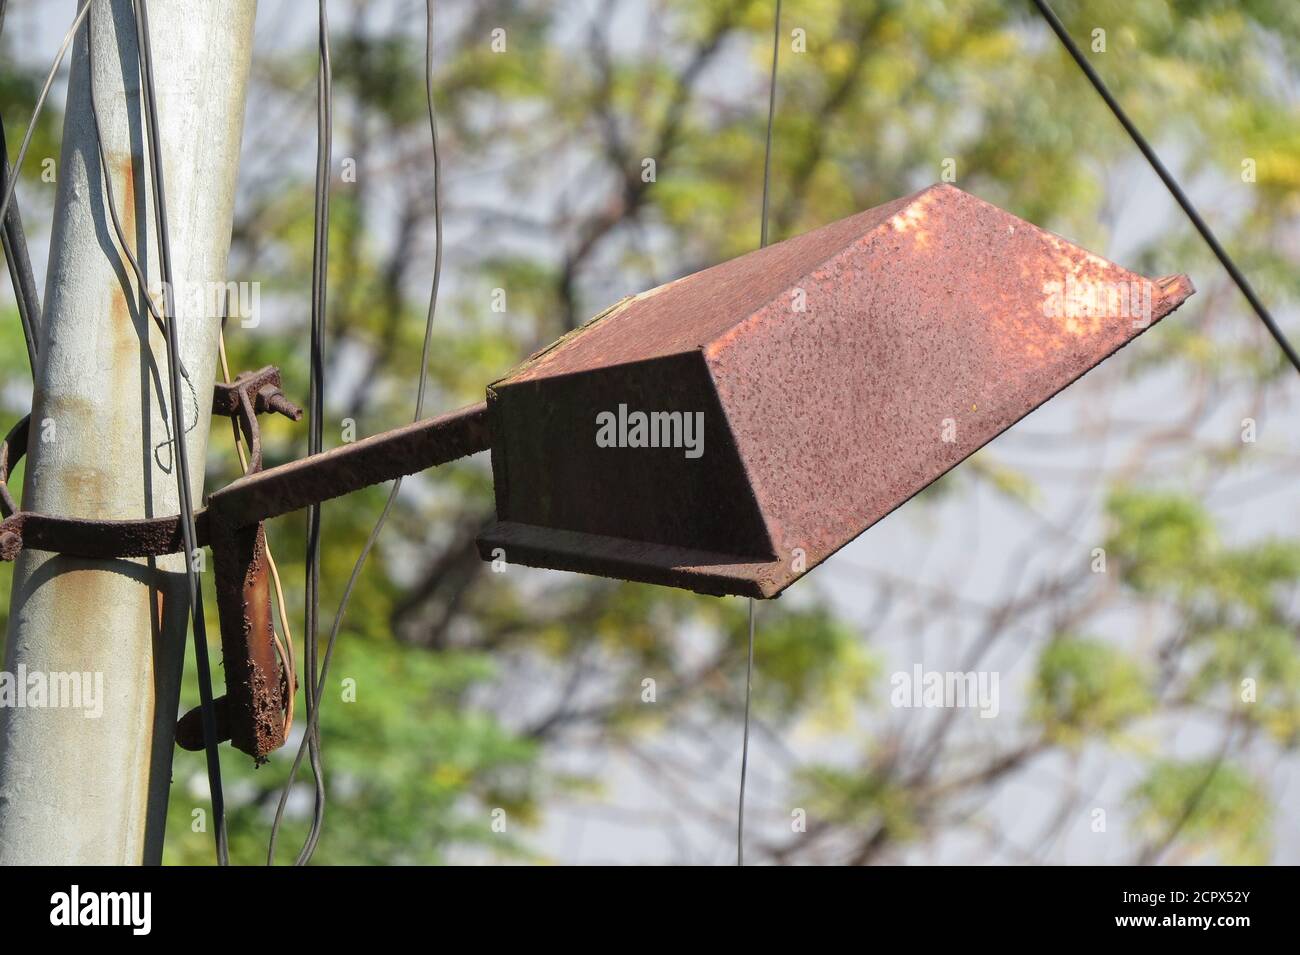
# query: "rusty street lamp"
{"points": [[838, 373], [724, 433]]}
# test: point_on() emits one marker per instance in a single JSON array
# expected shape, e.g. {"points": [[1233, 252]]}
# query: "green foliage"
{"points": [[1234, 602], [1160, 542], [1210, 806], [1085, 688], [812, 660], [863, 799]]}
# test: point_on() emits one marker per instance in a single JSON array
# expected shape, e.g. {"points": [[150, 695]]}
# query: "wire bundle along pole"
{"points": [[178, 435]]}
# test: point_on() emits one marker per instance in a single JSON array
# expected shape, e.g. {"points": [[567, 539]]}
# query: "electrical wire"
{"points": [[19, 261], [315, 443], [762, 243], [744, 746], [320, 277], [40, 104], [771, 116], [320, 281], [313, 717], [1170, 182], [14, 241], [207, 711]]}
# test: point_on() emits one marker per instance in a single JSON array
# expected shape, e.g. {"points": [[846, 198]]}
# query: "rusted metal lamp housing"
{"points": [[836, 375]]}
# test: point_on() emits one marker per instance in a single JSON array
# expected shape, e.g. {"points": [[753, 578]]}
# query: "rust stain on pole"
{"points": [[837, 374]]}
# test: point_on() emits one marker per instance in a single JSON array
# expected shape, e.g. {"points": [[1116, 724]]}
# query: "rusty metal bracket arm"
{"points": [[382, 457], [257, 496]]}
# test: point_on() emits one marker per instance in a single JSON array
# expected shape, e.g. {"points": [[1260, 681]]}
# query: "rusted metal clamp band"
{"points": [[77, 536], [242, 399]]}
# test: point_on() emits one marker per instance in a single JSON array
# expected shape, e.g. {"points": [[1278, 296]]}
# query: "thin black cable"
{"points": [[744, 747], [771, 116], [19, 261], [14, 239], [320, 281], [15, 246], [1170, 183], [182, 457], [313, 837], [315, 441], [40, 104], [762, 243]]}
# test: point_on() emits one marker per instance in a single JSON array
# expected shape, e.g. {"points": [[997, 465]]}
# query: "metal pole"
{"points": [[76, 787]]}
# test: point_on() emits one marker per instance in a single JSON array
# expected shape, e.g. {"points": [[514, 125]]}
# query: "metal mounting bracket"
{"points": [[251, 714]]}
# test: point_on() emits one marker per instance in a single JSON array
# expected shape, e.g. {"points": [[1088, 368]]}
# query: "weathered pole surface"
{"points": [[75, 788]]}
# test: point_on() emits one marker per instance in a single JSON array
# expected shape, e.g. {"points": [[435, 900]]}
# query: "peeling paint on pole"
{"points": [[74, 789]]}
